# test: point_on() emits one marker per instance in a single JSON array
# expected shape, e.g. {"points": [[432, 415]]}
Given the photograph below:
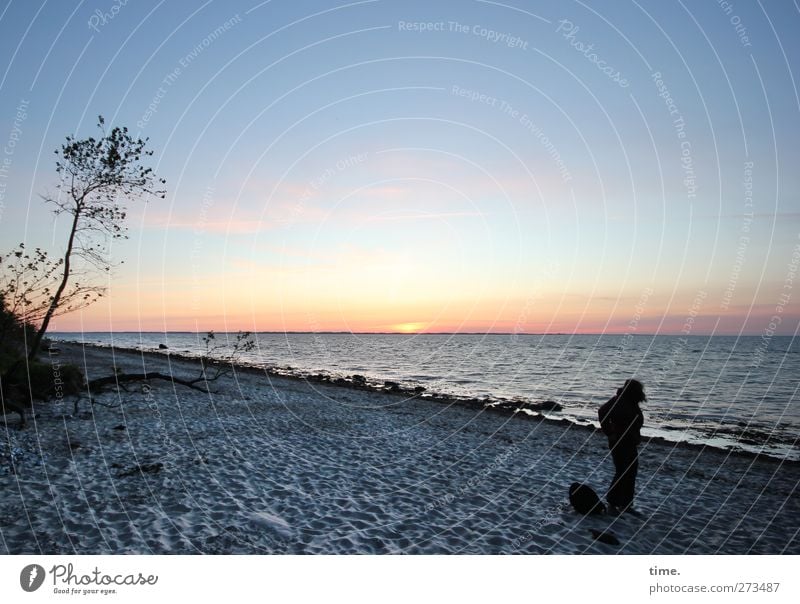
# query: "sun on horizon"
{"points": [[411, 327]]}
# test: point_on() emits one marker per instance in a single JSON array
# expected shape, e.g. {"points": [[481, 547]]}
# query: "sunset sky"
{"points": [[622, 167]]}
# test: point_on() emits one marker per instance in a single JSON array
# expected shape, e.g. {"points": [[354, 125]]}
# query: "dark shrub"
{"points": [[23, 381], [46, 381]]}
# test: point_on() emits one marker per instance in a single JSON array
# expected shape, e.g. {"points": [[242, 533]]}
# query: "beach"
{"points": [[269, 464]]}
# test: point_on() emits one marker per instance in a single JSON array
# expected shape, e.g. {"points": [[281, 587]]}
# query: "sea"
{"points": [[727, 392]]}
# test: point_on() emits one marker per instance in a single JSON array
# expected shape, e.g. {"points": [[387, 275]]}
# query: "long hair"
{"points": [[632, 392]]}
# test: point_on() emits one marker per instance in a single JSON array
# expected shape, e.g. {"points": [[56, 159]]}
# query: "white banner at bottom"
{"points": [[380, 579]]}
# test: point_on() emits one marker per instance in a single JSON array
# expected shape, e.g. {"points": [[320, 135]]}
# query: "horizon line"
{"points": [[436, 333]]}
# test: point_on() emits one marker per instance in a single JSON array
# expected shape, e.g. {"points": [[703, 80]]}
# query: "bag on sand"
{"points": [[585, 500]]}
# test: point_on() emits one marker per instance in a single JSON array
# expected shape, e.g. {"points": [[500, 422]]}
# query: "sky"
{"points": [[438, 166]]}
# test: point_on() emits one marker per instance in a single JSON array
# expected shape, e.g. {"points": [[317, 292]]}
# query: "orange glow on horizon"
{"points": [[199, 307], [410, 327]]}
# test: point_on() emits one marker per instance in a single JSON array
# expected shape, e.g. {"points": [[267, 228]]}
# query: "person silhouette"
{"points": [[621, 420]]}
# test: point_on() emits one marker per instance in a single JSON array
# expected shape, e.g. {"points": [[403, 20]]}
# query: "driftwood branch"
{"points": [[124, 378], [211, 369]]}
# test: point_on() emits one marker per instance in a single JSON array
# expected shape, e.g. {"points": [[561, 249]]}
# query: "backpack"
{"points": [[585, 500]]}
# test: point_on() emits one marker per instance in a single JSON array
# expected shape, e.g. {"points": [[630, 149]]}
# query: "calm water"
{"points": [[722, 391]]}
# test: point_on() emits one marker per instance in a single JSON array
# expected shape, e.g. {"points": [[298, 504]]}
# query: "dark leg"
{"points": [[626, 464]]}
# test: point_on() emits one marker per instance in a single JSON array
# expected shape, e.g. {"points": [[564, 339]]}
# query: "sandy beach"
{"points": [[274, 465]]}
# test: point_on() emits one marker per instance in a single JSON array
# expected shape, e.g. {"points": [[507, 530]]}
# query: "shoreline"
{"points": [[502, 406], [271, 464]]}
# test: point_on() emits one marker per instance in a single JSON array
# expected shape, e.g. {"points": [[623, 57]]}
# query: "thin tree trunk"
{"points": [[37, 340]]}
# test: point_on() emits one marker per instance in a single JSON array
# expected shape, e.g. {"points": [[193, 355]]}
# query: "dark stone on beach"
{"points": [[341, 382], [393, 386], [419, 389], [472, 403], [544, 406], [120, 427], [516, 406], [162, 346], [359, 380], [502, 408]]}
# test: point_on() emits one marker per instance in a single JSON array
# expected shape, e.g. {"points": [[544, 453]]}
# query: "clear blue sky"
{"points": [[377, 165]]}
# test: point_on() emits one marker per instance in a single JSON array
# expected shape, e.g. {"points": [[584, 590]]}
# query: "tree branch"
{"points": [[125, 378]]}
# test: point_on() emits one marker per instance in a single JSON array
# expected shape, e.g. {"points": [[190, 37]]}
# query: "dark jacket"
{"points": [[621, 421]]}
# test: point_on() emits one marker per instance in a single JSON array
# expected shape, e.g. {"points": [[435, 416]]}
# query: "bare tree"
{"points": [[220, 359], [96, 176]]}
